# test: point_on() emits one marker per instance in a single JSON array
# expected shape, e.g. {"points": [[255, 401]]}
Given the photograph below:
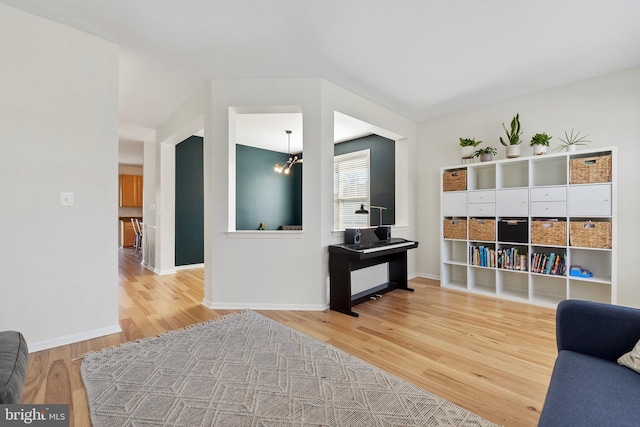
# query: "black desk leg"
{"points": [[398, 271], [340, 285]]}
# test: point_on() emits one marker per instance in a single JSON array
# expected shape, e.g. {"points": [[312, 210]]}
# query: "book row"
{"points": [[553, 264], [505, 258], [514, 259]]}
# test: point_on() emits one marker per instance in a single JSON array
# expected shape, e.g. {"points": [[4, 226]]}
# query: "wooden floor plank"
{"points": [[490, 356]]}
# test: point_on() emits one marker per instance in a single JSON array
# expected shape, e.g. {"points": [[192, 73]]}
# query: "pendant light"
{"points": [[286, 168]]}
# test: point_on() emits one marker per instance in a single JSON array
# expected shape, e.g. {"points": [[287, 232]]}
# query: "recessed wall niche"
{"points": [[353, 135], [268, 150]]}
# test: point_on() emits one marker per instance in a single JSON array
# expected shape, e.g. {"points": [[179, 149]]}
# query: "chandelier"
{"points": [[286, 168]]}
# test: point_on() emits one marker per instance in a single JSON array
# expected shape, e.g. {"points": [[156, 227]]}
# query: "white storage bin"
{"points": [[590, 200], [513, 202]]}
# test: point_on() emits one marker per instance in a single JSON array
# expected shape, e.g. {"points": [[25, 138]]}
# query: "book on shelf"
{"points": [[551, 264], [481, 256], [511, 259]]}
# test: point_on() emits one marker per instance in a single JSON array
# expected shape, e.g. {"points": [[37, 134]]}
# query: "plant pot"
{"points": [[539, 149], [486, 157], [571, 147], [513, 151], [467, 152]]}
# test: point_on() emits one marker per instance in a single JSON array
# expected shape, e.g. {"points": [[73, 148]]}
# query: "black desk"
{"points": [[343, 259]]}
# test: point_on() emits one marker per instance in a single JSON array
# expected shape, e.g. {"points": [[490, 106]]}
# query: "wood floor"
{"points": [[490, 356]]}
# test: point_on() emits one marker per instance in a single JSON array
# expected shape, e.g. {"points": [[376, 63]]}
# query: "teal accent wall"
{"points": [[189, 202], [263, 195], [382, 174]]}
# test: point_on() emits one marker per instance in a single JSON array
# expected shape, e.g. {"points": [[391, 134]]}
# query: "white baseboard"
{"points": [[158, 271], [70, 339], [427, 276], [189, 266], [259, 306]]}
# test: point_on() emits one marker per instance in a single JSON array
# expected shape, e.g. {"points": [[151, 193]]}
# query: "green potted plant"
{"points": [[571, 141], [468, 144], [486, 154], [513, 137], [540, 143]]}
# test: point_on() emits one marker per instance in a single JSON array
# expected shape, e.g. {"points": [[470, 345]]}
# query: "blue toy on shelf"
{"points": [[577, 271]]}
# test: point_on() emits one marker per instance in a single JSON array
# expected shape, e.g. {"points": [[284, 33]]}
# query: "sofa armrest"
{"points": [[13, 366], [601, 330]]}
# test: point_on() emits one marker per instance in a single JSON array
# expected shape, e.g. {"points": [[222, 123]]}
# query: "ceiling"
{"points": [[419, 58], [267, 130]]}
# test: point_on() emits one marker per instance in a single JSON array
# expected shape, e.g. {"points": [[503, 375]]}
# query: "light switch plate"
{"points": [[66, 199]]}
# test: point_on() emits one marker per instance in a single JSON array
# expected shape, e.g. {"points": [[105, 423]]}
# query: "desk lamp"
{"points": [[362, 210]]}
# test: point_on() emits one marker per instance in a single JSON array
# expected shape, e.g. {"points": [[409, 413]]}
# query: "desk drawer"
{"points": [[549, 209], [482, 209], [481, 196], [549, 194]]}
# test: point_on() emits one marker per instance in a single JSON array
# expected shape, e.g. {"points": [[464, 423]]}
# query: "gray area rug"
{"points": [[247, 370]]}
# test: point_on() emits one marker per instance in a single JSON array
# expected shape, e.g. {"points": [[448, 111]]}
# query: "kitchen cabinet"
{"points": [[130, 191], [127, 233]]}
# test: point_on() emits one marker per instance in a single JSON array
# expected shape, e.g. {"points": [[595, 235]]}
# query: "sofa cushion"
{"points": [[589, 391], [603, 330], [13, 366], [631, 359]]}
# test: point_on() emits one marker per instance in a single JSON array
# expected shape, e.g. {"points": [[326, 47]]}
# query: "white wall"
{"points": [[58, 133], [150, 207], [265, 270], [260, 271], [606, 108], [184, 122]]}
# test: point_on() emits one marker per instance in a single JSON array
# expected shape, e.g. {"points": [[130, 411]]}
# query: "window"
{"points": [[350, 189]]}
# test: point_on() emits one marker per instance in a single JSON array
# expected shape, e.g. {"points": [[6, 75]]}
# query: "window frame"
{"points": [[338, 219]]}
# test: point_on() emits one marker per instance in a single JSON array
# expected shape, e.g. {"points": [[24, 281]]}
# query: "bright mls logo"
{"points": [[34, 415]]}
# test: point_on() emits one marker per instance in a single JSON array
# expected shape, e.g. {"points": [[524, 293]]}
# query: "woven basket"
{"points": [[482, 229], [455, 229], [549, 233], [454, 180], [590, 170], [590, 234]]}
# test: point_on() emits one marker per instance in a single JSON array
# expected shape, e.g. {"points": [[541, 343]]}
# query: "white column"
{"points": [[165, 208]]}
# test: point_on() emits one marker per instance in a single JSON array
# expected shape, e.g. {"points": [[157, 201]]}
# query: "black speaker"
{"points": [[383, 232], [352, 236]]}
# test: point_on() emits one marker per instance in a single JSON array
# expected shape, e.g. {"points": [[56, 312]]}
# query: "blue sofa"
{"points": [[588, 387]]}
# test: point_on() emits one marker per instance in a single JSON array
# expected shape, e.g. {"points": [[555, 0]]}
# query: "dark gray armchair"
{"points": [[13, 366]]}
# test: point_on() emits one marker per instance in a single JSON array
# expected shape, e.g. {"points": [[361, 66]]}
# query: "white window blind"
{"points": [[350, 189]]}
